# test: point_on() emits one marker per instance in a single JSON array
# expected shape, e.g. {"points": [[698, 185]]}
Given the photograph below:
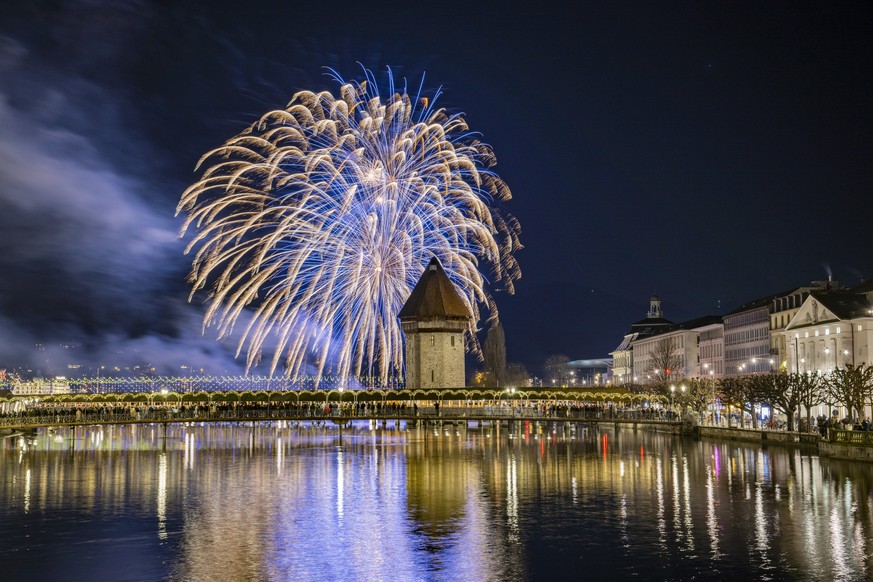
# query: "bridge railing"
{"points": [[851, 437], [95, 415]]}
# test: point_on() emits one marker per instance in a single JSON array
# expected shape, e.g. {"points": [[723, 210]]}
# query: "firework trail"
{"points": [[321, 218]]}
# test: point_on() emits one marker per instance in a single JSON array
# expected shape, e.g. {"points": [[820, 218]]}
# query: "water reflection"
{"points": [[283, 501]]}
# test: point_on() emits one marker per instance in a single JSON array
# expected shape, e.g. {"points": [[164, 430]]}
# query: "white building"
{"points": [[710, 349], [677, 351], [623, 355], [830, 330], [782, 311], [41, 386], [751, 332], [657, 350]]}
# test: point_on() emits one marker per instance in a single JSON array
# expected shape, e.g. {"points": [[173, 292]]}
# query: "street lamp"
{"points": [[683, 398]]}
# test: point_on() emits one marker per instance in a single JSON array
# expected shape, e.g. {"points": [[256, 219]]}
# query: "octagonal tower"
{"points": [[434, 319]]}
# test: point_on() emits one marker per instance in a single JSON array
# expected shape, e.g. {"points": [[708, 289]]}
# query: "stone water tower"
{"points": [[434, 319]]}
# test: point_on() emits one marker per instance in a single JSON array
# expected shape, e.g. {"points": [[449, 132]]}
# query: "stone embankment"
{"points": [[840, 444]]}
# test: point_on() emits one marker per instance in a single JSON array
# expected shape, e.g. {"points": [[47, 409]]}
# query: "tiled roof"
{"points": [[434, 296], [844, 304]]}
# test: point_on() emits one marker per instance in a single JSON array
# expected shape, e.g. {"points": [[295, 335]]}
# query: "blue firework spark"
{"points": [[317, 221]]}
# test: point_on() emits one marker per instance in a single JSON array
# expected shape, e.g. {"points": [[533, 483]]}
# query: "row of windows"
{"points": [[755, 334], [711, 351], [676, 343], [746, 318], [715, 368], [789, 301], [827, 331], [746, 353]]}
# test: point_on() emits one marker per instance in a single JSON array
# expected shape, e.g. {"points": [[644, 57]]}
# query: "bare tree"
{"points": [[780, 392], [556, 371], [516, 375], [664, 364], [495, 354], [739, 392], [810, 392], [698, 394], [850, 386]]}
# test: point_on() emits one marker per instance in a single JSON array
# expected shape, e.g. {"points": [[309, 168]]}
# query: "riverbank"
{"points": [[827, 448]]}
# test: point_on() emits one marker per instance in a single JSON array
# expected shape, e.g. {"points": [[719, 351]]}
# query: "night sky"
{"points": [[707, 152]]}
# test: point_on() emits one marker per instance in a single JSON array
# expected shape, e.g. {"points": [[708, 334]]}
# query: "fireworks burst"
{"points": [[321, 217]]}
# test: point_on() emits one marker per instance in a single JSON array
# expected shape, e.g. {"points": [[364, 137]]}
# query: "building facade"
{"points": [[747, 339], [623, 367], [829, 331], [710, 344], [752, 334]]}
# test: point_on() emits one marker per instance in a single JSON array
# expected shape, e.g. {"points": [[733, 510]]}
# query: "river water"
{"points": [[285, 502]]}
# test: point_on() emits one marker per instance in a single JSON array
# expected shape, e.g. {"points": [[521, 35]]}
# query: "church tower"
{"points": [[434, 319], [655, 308]]}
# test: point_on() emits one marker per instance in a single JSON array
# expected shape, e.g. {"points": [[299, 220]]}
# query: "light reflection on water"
{"points": [[276, 502]]}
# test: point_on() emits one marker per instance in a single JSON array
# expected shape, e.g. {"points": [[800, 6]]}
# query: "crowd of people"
{"points": [[823, 423], [85, 412], [41, 413]]}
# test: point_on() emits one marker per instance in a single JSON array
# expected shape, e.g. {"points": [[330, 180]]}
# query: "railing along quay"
{"points": [[851, 437]]}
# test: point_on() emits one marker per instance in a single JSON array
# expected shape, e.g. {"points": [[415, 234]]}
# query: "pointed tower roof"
{"points": [[434, 296]]}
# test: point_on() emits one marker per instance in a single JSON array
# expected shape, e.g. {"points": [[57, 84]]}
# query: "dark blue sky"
{"points": [[710, 153]]}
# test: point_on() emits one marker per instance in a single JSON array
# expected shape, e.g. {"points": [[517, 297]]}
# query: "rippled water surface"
{"points": [[284, 502]]}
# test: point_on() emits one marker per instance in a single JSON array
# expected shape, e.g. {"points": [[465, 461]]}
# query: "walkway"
{"points": [[428, 414]]}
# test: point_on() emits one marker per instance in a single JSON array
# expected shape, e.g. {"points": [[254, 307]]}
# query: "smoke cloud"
{"points": [[91, 269]]}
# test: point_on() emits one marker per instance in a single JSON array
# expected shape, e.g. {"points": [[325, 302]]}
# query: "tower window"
{"points": [[453, 341], [431, 376], [432, 341]]}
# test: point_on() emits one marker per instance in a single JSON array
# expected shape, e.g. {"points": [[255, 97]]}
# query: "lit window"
{"points": [[827, 331], [432, 341], [860, 328], [816, 333], [838, 329]]}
